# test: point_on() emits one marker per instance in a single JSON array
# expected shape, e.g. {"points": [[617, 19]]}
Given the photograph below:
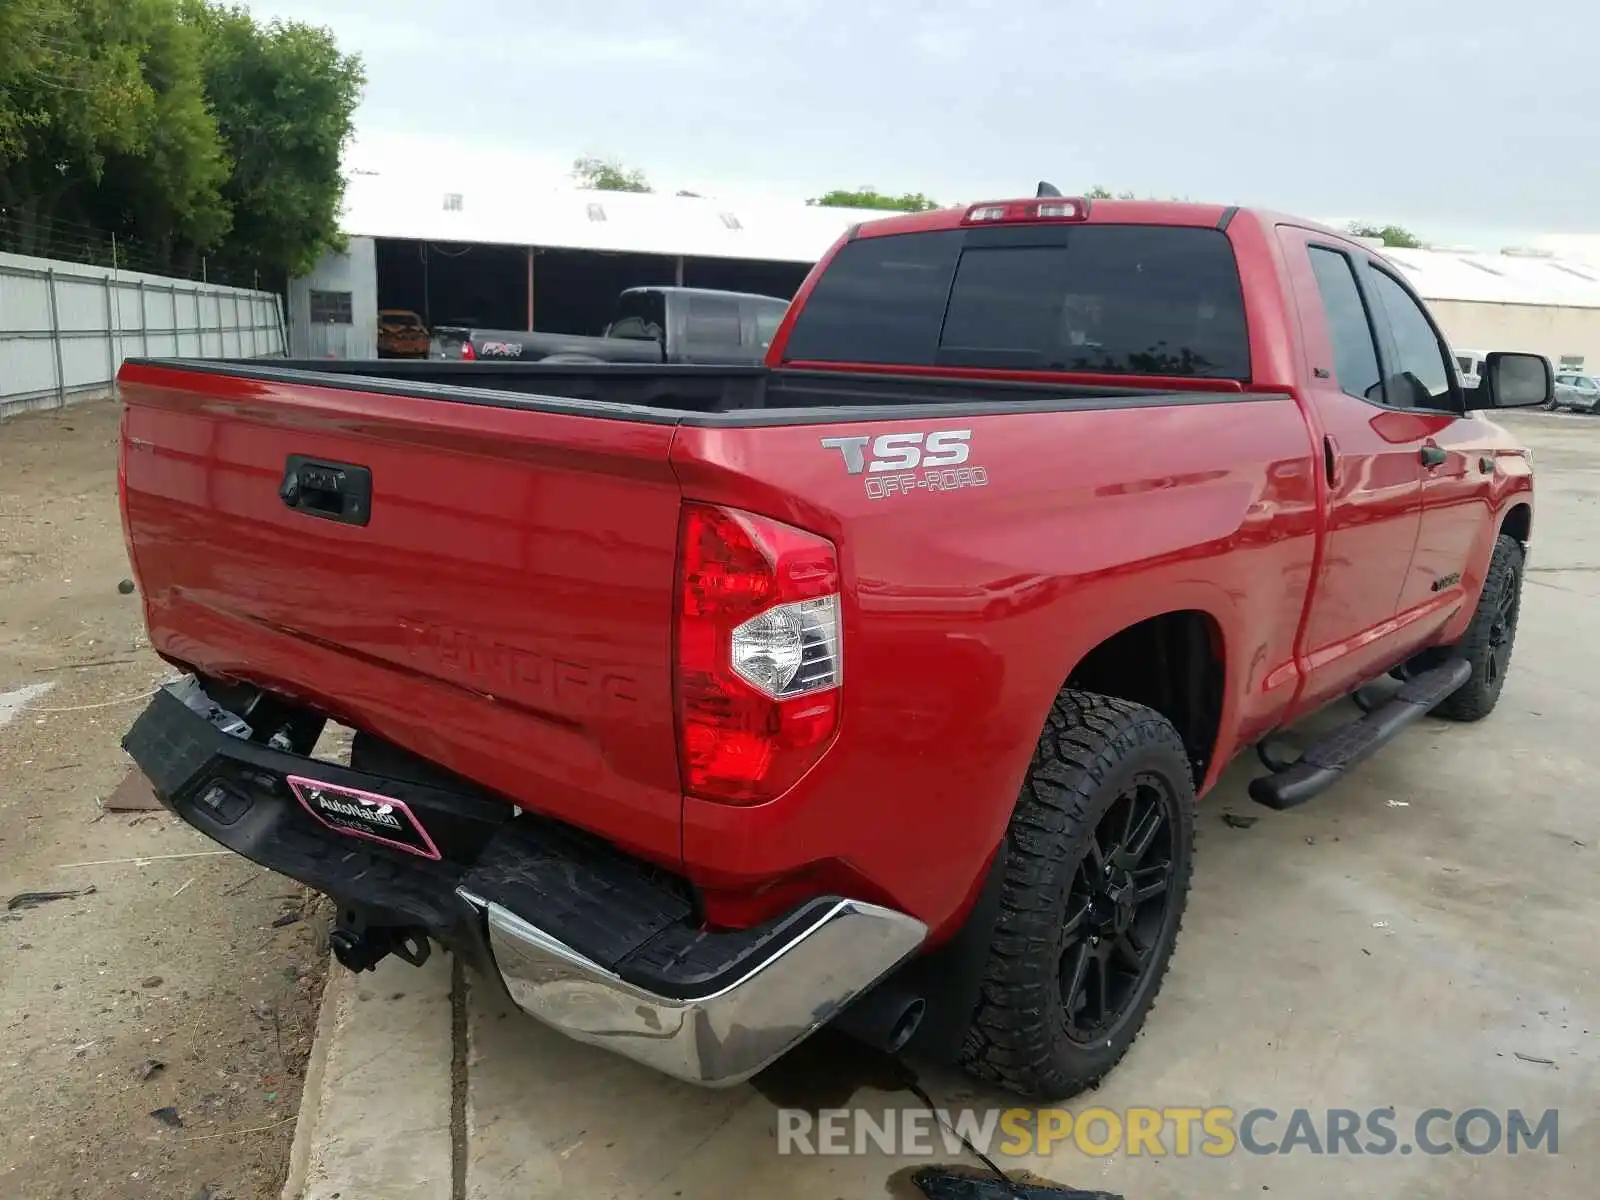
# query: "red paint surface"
{"points": [[509, 611]]}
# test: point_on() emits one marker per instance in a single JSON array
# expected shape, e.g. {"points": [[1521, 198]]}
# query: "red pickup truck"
{"points": [[703, 706]]}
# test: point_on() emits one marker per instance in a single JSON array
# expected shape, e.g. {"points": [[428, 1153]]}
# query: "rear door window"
{"points": [[1110, 299]]}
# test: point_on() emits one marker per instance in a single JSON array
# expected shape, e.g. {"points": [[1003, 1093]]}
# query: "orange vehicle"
{"points": [[401, 334]]}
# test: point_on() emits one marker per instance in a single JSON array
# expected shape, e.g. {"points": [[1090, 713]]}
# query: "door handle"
{"points": [[334, 491], [1433, 456]]}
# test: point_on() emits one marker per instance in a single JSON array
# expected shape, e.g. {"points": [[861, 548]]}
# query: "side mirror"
{"points": [[1514, 381]]}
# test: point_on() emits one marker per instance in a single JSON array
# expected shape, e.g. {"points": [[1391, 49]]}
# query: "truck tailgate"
{"points": [[505, 609]]}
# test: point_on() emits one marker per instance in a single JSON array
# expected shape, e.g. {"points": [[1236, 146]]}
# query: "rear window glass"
{"points": [[713, 321], [639, 315], [1114, 299]]}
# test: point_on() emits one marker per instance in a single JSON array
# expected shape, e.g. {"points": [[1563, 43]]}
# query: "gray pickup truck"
{"points": [[650, 325]]}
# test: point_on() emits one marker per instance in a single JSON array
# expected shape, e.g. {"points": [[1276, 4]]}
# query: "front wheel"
{"points": [[1099, 854], [1489, 639]]}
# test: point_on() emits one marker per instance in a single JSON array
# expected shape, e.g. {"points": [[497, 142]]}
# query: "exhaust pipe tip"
{"points": [[905, 1027], [885, 1019]]}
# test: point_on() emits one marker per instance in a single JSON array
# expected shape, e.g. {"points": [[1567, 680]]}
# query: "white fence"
{"points": [[66, 328]]}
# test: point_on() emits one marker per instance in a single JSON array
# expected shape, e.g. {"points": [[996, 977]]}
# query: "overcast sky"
{"points": [[1459, 118]]}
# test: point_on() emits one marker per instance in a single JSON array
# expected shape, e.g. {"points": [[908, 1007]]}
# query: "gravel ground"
{"points": [[154, 1028]]}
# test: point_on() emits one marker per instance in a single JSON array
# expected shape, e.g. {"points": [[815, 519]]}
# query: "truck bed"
{"points": [[505, 605]]}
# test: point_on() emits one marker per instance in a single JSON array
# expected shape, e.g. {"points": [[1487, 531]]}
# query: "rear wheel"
{"points": [[1489, 639], [1099, 854]]}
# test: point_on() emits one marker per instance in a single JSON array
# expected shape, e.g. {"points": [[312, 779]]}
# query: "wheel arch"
{"points": [[1518, 522], [1174, 662]]}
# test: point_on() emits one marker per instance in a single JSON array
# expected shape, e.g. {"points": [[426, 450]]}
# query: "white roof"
{"points": [[1503, 278], [520, 214], [1581, 247], [524, 212]]}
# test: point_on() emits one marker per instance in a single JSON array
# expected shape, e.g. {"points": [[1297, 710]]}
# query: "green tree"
{"points": [[1100, 193], [867, 196], [167, 193], [180, 126], [22, 59], [608, 175], [1390, 235], [284, 98], [73, 91]]}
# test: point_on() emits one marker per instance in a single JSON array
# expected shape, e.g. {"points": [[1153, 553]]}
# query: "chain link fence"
{"points": [[76, 242]]}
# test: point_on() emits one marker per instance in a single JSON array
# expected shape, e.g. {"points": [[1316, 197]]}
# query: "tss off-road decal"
{"points": [[899, 464]]}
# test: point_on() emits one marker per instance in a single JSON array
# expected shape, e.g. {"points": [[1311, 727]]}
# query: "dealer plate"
{"points": [[381, 819]]}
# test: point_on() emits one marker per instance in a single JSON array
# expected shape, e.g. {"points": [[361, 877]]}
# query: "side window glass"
{"points": [[767, 321], [1355, 356], [1419, 378]]}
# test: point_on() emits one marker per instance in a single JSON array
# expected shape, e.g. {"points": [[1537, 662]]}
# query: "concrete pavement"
{"points": [[375, 1117]]}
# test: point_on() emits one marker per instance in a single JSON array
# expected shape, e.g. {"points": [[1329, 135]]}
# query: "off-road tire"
{"points": [[1486, 644], [1091, 748]]}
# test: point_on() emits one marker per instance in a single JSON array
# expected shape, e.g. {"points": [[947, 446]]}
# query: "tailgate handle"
{"points": [[334, 491]]}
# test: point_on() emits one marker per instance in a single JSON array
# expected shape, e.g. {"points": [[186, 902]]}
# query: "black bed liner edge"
{"points": [[780, 395]]}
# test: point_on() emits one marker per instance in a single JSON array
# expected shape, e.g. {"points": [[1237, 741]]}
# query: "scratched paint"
{"points": [[13, 702]]}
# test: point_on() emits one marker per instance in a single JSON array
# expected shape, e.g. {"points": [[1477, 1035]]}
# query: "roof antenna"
{"points": [[1047, 189]]}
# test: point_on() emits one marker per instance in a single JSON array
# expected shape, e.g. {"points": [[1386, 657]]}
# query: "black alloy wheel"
{"points": [[1117, 909]]}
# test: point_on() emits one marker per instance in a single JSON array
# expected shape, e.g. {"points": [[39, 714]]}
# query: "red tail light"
{"points": [[760, 655], [468, 354]]}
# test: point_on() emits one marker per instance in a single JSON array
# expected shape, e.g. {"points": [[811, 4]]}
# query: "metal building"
{"points": [[333, 312], [552, 259], [1513, 300], [504, 254]]}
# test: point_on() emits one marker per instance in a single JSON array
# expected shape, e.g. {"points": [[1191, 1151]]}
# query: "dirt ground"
{"points": [[153, 1031]]}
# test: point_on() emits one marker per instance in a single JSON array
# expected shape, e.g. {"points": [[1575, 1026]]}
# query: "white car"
{"points": [[1580, 393], [1469, 364]]}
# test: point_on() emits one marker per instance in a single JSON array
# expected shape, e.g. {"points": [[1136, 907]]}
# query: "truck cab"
{"points": [[698, 324], [648, 325]]}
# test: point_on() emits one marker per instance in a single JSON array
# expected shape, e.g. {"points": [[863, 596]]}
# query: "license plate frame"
{"points": [[385, 820]]}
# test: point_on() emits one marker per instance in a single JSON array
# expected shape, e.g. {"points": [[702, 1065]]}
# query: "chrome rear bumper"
{"points": [[780, 996], [617, 957]]}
